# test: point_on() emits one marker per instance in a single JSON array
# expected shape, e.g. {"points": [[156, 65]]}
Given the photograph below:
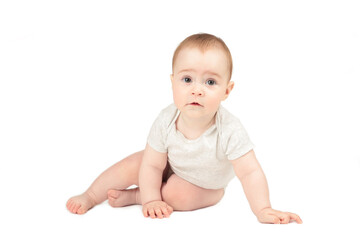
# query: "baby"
{"points": [[194, 148]]}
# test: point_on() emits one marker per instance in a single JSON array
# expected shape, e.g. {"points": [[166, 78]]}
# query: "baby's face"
{"points": [[200, 81]]}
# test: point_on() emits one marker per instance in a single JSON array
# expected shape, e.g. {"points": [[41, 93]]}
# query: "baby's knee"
{"points": [[178, 201], [177, 195]]}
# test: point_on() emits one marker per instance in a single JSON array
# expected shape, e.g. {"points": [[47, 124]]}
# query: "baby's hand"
{"points": [[157, 209], [269, 215]]}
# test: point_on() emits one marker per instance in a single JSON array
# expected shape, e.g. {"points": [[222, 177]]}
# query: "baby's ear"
{"points": [[171, 77], [229, 88]]}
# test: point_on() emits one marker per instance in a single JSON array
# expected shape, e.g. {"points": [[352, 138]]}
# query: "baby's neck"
{"points": [[194, 128]]}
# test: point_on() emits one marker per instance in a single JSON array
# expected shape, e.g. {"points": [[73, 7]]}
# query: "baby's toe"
{"points": [[70, 205], [76, 208], [80, 210], [73, 207]]}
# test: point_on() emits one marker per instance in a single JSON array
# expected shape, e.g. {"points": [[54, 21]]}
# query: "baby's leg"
{"points": [[119, 176], [177, 192], [122, 198], [185, 196]]}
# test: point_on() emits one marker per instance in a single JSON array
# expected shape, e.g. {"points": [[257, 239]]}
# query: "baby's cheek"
{"points": [[177, 100], [214, 99], [180, 97]]}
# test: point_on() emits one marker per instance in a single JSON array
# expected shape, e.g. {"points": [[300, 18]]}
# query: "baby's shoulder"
{"points": [[167, 115], [226, 121], [229, 126], [233, 137]]}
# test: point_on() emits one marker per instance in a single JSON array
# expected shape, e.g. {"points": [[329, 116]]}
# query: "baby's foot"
{"points": [[80, 204], [121, 198]]}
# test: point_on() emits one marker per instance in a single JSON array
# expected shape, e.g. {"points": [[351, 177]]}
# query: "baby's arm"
{"points": [[253, 180], [150, 180]]}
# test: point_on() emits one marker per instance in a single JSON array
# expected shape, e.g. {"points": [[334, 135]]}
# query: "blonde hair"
{"points": [[204, 41]]}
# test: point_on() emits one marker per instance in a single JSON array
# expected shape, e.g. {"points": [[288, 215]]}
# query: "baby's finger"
{"points": [[295, 217], [275, 219], [159, 213], [145, 212], [165, 212], [152, 213], [268, 218], [170, 209], [284, 218]]}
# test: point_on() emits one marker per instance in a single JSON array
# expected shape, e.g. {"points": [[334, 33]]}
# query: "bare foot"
{"points": [[121, 198], [80, 204]]}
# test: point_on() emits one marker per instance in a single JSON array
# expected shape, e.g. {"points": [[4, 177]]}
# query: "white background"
{"points": [[82, 82]]}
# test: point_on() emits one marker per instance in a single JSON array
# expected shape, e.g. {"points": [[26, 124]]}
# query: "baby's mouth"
{"points": [[195, 104]]}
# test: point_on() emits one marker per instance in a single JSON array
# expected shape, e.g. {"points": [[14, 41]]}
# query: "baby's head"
{"points": [[202, 67], [204, 42]]}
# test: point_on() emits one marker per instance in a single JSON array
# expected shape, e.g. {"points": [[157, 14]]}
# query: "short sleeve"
{"points": [[157, 135], [238, 143]]}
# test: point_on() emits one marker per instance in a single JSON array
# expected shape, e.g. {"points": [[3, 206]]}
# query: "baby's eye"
{"points": [[210, 82], [186, 80]]}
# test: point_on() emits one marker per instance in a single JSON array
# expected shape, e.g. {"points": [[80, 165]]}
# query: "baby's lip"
{"points": [[195, 104]]}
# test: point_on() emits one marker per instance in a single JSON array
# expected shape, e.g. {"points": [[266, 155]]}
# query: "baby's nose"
{"points": [[197, 90]]}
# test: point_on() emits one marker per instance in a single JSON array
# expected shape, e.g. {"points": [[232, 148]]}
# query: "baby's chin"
{"points": [[197, 113]]}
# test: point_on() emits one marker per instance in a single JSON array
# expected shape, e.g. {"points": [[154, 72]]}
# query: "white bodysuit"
{"points": [[203, 161]]}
